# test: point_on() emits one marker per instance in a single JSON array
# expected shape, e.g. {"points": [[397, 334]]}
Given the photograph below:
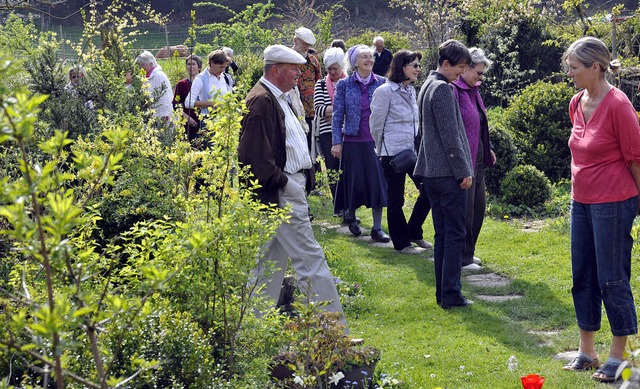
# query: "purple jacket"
{"points": [[474, 116], [347, 108]]}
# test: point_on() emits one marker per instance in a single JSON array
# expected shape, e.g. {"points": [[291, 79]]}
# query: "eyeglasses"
{"points": [[365, 56], [414, 65]]}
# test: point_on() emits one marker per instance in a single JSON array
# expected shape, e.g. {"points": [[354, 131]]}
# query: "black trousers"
{"points": [[401, 231], [476, 209]]}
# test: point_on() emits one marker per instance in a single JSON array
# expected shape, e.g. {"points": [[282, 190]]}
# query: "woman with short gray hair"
{"points": [[159, 84], [474, 116]]}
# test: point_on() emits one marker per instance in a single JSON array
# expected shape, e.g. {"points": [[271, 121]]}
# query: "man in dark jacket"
{"points": [[382, 56], [273, 145]]}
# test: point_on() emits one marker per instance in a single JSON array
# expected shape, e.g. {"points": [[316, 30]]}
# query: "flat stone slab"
{"points": [[344, 230], [380, 244], [332, 226], [498, 299], [567, 355], [533, 226], [488, 280]]}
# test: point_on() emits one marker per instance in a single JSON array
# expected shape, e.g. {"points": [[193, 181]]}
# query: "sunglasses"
{"points": [[414, 65]]}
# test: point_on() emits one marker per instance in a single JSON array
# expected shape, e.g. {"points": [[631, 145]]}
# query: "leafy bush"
{"points": [[174, 340], [140, 192], [393, 41], [539, 121], [526, 185], [506, 157], [513, 34]]}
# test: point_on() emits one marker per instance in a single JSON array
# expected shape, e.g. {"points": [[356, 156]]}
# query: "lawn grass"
{"points": [[428, 347]]}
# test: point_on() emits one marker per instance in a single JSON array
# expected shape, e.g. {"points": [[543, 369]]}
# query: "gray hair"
{"points": [[589, 50], [228, 51], [77, 70], [378, 38], [351, 58], [478, 57], [146, 58], [333, 55]]}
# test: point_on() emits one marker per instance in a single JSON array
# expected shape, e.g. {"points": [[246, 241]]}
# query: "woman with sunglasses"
{"points": [[474, 116], [394, 127]]}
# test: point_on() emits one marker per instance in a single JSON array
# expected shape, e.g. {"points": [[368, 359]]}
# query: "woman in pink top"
{"points": [[605, 177]]}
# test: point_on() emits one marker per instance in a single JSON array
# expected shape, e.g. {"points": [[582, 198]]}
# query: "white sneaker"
{"points": [[472, 267], [410, 250], [477, 261]]}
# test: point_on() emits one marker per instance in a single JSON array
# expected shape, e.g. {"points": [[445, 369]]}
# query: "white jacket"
{"points": [[164, 103]]}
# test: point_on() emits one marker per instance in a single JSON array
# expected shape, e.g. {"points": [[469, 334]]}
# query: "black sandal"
{"points": [[582, 363], [606, 373]]}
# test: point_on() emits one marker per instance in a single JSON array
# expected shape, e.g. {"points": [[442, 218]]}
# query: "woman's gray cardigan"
{"points": [[444, 150]]}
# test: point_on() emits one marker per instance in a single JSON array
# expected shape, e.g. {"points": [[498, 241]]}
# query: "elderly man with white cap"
{"points": [[272, 144], [311, 73]]}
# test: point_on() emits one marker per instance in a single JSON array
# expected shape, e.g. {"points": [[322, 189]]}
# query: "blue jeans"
{"points": [[448, 209], [601, 245]]}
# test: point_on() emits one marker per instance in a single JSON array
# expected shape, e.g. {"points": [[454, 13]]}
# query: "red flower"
{"points": [[532, 381]]}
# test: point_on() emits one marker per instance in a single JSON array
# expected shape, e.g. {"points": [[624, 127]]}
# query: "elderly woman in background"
{"points": [[160, 87], [362, 181], [605, 177], [193, 64], [394, 127], [232, 63], [323, 96], [474, 116]]}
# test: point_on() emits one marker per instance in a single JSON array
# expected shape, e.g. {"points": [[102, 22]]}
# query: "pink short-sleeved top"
{"points": [[602, 150]]}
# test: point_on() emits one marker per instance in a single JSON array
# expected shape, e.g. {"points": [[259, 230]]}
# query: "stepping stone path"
{"points": [[484, 280]]}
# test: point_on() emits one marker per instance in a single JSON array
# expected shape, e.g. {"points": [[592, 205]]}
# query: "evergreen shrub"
{"points": [[539, 121], [526, 185], [506, 154]]}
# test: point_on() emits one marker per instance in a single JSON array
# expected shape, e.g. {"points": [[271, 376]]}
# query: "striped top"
{"points": [[321, 101]]}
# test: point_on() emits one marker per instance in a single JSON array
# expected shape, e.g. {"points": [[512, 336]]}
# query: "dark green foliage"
{"points": [[539, 121], [506, 154], [513, 34], [141, 192], [5, 247], [173, 339], [65, 109], [526, 185]]}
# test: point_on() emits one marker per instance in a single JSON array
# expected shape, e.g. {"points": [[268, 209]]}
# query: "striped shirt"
{"points": [[298, 157], [321, 101]]}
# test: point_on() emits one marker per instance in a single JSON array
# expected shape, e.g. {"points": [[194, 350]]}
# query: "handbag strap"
{"points": [[413, 122]]}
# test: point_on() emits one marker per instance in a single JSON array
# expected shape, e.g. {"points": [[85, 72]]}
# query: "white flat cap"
{"points": [[282, 54], [332, 56], [306, 35]]}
